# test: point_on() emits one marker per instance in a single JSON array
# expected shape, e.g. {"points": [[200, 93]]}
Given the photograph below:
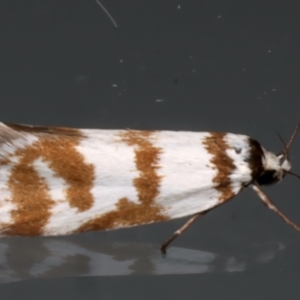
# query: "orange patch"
{"points": [[129, 213], [217, 147], [29, 190], [30, 194], [68, 163]]}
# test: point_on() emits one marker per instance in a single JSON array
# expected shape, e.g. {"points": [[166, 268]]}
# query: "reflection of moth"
{"points": [[57, 181]]}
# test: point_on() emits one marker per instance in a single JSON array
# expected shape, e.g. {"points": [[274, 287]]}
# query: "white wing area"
{"points": [[187, 174], [183, 173], [239, 151]]}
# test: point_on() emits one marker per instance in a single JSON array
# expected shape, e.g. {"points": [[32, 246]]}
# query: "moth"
{"points": [[60, 181]]}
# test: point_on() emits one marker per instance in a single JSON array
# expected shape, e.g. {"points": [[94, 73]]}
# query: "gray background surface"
{"points": [[175, 65]]}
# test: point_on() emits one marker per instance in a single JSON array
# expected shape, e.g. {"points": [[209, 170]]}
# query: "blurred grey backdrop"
{"points": [[211, 65]]}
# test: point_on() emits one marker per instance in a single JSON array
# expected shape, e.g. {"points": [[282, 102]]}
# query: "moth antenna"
{"points": [[288, 145], [107, 13], [285, 149], [294, 174]]}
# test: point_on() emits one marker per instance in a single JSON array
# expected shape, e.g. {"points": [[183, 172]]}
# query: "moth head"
{"points": [[275, 167]]}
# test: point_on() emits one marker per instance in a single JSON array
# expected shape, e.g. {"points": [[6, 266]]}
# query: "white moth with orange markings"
{"points": [[59, 181]]}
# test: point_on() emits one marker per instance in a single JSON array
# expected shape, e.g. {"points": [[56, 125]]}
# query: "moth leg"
{"points": [[266, 200], [180, 231]]}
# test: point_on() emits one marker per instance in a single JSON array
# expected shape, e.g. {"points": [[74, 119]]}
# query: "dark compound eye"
{"points": [[268, 177]]}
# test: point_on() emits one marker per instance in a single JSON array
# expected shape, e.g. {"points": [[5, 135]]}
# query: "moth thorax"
{"points": [[274, 168]]}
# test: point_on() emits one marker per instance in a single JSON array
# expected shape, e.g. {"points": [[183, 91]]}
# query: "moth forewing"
{"points": [[58, 181]]}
